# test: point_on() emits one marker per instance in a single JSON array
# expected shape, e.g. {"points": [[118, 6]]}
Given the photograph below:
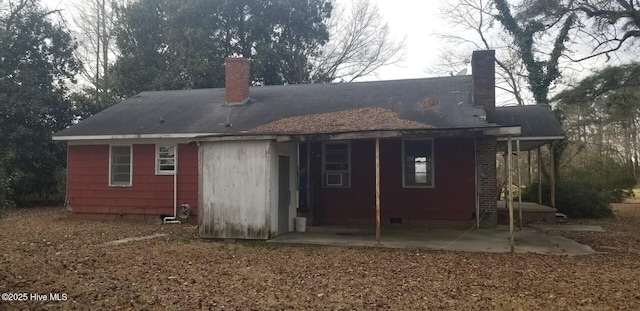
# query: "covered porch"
{"points": [[539, 129], [418, 178]]}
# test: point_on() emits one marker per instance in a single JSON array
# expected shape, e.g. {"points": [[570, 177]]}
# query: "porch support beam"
{"points": [[378, 190], [367, 134], [542, 139]]}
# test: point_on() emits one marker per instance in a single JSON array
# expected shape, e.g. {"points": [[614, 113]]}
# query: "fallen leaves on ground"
{"points": [[48, 250]]}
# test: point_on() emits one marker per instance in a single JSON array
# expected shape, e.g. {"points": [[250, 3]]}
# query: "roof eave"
{"points": [[534, 138], [129, 136], [497, 131]]}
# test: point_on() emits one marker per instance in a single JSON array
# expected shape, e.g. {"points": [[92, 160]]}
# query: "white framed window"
{"points": [[120, 165], [336, 164], [166, 156], [417, 163]]}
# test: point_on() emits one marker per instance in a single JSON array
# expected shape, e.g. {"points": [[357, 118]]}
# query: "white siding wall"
{"points": [[235, 194]]}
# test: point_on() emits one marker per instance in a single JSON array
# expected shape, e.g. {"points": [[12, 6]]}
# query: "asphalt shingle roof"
{"points": [[440, 103], [538, 125], [435, 102], [534, 120]]}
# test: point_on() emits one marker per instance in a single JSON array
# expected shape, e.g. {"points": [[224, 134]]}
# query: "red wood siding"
{"points": [[88, 189], [451, 199]]}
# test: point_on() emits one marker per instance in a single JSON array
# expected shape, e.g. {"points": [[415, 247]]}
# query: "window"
{"points": [[120, 166], [417, 155], [165, 159], [336, 164]]}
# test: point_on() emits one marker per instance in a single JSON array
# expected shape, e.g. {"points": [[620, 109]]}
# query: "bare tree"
{"points": [[473, 27], [360, 42], [614, 25], [93, 21]]}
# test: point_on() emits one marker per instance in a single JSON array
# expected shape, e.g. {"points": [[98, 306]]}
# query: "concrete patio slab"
{"points": [[475, 240]]}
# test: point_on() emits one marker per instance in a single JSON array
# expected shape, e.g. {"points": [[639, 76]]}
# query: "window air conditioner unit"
{"points": [[334, 179]]}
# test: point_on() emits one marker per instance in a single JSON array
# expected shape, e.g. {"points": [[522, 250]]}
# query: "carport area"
{"points": [[476, 240]]}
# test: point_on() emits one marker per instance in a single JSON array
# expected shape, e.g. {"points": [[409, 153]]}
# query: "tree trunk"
{"points": [[105, 51], [98, 44]]}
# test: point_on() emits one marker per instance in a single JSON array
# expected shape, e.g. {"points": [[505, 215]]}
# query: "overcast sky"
{"points": [[417, 20], [414, 19]]}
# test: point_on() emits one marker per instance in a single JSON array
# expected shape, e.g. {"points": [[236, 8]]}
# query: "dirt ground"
{"points": [[47, 250]]}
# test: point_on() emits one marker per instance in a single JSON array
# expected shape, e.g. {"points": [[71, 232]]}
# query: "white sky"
{"points": [[417, 20]]}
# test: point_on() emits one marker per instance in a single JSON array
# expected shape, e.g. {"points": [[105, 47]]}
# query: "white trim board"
{"points": [[532, 138], [130, 136]]}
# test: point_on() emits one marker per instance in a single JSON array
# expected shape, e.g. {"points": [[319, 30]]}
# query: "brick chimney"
{"points": [[237, 80], [483, 71]]}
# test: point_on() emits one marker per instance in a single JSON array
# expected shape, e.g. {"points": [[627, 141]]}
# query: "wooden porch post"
{"points": [[529, 167], [510, 198], [539, 177], [552, 175], [519, 186], [506, 178], [378, 190]]}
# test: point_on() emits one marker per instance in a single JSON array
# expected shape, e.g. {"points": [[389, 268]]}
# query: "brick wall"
{"points": [[486, 158], [236, 80], [484, 81]]}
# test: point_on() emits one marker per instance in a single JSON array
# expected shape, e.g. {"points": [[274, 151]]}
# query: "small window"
{"points": [[417, 163], [165, 159], [336, 164], [120, 166]]}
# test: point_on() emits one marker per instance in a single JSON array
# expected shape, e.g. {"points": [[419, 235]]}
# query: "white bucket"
{"points": [[301, 224]]}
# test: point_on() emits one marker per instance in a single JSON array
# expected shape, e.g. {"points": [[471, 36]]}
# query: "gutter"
{"points": [[173, 220], [128, 136]]}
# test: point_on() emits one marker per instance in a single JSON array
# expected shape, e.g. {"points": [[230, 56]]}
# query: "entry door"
{"points": [[284, 194]]}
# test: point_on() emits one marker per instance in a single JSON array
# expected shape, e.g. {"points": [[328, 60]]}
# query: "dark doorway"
{"points": [[303, 177], [284, 194]]}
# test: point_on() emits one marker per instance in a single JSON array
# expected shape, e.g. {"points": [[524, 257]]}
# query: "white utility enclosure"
{"points": [[247, 189]]}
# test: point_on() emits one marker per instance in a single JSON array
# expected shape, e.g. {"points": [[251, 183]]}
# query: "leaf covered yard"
{"points": [[48, 250]]}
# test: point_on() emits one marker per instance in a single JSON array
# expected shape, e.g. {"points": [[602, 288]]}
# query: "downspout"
{"points": [[173, 220]]}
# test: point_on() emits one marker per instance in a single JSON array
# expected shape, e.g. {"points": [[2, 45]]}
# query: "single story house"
{"points": [[248, 160]]}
